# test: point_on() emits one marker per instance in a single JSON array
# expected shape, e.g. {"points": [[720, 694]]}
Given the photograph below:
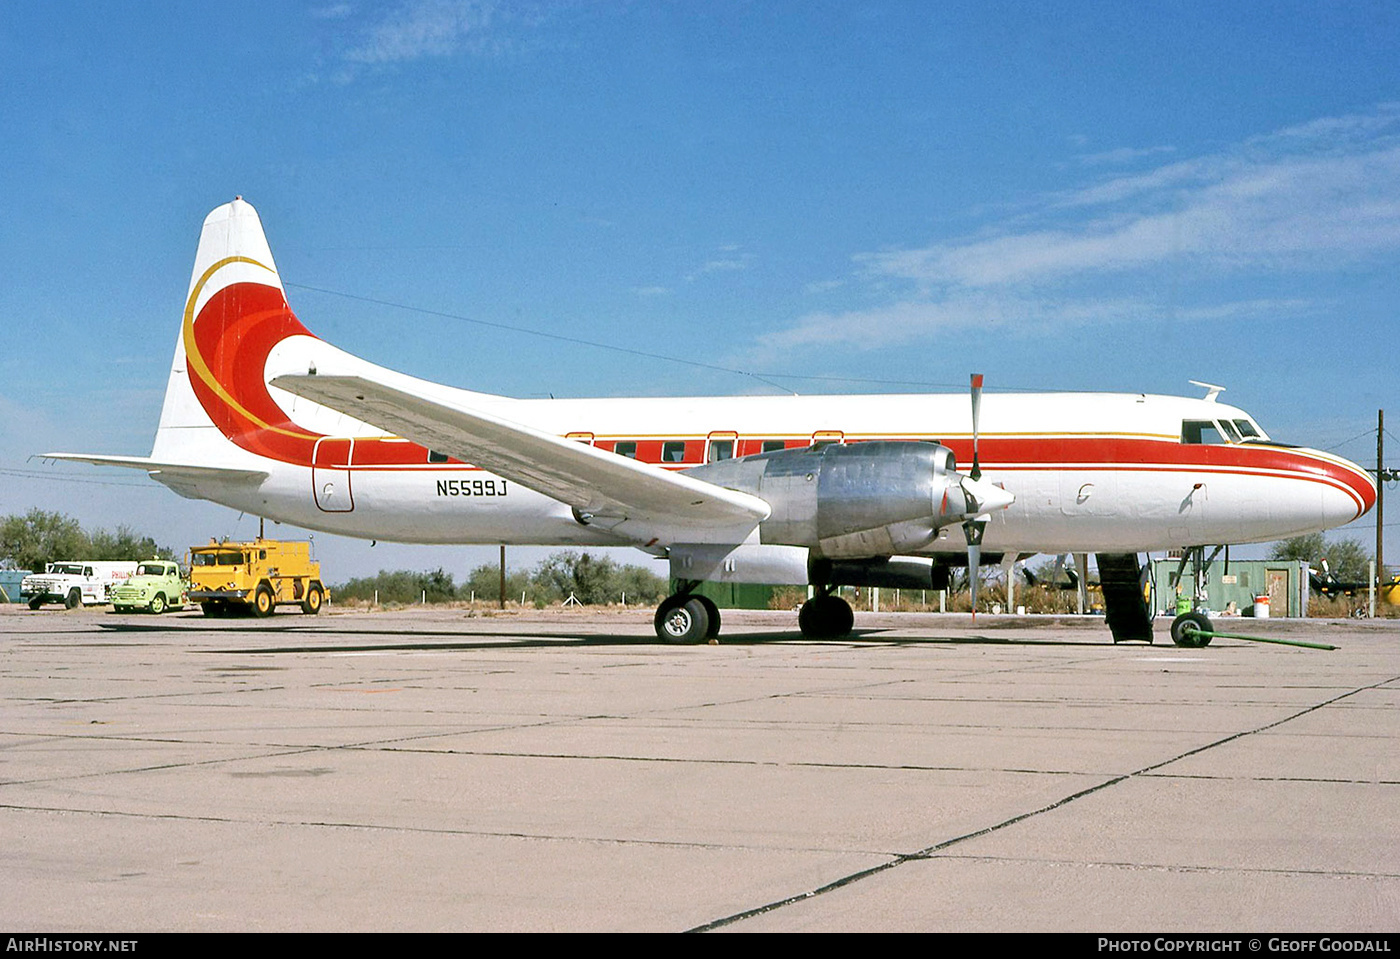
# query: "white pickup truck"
{"points": [[74, 584]]}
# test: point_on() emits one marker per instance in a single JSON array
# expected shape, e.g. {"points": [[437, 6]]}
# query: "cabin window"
{"points": [[1201, 432], [774, 446], [627, 448], [435, 457], [721, 450], [673, 451]]}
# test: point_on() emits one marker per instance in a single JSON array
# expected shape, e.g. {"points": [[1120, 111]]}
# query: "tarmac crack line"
{"points": [[425, 830], [931, 851], [1163, 867]]}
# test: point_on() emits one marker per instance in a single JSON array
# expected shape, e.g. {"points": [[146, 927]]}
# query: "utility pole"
{"points": [[502, 603], [1380, 496]]}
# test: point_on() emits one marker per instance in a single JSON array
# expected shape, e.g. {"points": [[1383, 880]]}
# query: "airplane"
{"points": [[821, 491]]}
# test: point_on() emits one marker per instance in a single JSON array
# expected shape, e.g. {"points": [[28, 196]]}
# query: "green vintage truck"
{"points": [[157, 586]]}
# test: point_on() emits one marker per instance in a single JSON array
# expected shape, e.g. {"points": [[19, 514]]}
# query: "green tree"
{"points": [[400, 586], [595, 580], [1346, 558], [484, 583], [124, 543], [641, 585], [37, 538]]}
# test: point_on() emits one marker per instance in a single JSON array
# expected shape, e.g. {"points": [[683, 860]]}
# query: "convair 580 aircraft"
{"points": [[263, 417]]}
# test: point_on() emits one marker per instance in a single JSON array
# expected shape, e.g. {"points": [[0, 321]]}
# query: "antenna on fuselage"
{"points": [[1212, 391]]}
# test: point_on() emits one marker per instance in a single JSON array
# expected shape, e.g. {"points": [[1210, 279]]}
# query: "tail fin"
{"points": [[236, 312], [237, 334]]}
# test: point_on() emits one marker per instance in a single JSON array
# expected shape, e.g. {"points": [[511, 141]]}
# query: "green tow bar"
{"points": [[1192, 629]]}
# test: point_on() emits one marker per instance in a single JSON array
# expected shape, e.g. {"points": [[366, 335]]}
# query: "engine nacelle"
{"points": [[850, 501]]}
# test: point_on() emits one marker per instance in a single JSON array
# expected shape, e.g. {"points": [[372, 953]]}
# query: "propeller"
{"points": [[976, 523]]}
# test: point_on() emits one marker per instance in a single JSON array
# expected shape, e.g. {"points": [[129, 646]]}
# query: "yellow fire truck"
{"points": [[255, 576]]}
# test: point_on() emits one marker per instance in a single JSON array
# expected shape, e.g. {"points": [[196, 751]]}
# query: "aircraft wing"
{"points": [[591, 480], [155, 466]]}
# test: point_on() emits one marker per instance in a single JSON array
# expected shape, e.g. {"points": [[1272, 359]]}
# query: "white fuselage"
{"points": [[1090, 472]]}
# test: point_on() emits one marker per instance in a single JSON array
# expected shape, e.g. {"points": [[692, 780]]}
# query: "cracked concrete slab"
{"points": [[430, 769]]}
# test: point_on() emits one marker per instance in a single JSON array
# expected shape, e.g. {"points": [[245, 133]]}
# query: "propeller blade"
{"points": [[974, 529], [976, 473]]}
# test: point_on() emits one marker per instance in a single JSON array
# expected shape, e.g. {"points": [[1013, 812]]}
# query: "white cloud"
{"points": [[723, 264], [332, 11], [427, 28], [1291, 210], [1121, 155], [1316, 197], [914, 319]]}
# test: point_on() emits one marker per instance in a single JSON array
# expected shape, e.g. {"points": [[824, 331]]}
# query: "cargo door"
{"points": [[330, 474]]}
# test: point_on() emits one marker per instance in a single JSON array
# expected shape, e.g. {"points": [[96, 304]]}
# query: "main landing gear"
{"points": [[687, 618], [825, 616]]}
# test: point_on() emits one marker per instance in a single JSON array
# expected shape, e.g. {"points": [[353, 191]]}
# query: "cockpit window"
{"points": [[1230, 431], [1199, 432], [1248, 430]]}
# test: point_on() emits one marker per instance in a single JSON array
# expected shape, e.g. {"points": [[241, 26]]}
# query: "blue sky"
{"points": [[838, 197]]}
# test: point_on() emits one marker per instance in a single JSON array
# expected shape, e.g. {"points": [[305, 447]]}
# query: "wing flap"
{"points": [[589, 479]]}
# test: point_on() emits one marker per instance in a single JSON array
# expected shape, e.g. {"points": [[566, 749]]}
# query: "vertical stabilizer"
{"points": [[233, 250]]}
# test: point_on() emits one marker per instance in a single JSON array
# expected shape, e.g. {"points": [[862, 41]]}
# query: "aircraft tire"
{"points": [[712, 611], [1190, 636], [825, 617], [682, 619]]}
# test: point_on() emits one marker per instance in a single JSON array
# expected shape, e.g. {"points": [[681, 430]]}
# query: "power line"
{"points": [[1337, 446], [51, 475], [577, 341], [765, 377]]}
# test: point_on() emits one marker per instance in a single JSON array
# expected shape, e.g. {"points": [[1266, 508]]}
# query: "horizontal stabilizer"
{"points": [[593, 481], [158, 466]]}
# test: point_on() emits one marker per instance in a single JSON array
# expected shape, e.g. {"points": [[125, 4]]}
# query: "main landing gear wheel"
{"points": [[1192, 630], [712, 611], [825, 617], [683, 619]]}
